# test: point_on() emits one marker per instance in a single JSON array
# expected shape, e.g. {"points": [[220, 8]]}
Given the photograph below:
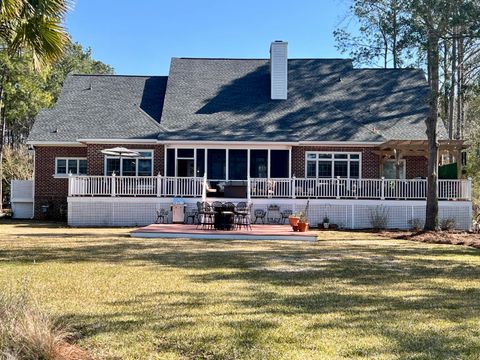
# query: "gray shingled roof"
{"points": [[328, 100], [103, 107], [229, 100]]}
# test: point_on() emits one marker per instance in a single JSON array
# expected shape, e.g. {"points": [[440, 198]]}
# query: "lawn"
{"points": [[349, 295]]}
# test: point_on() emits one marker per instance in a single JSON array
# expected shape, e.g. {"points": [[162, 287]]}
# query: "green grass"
{"points": [[349, 295]]}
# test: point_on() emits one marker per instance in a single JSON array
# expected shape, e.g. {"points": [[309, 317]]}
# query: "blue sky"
{"points": [[140, 37]]}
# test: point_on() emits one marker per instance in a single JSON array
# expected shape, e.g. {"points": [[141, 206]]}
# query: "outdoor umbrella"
{"points": [[120, 151]]}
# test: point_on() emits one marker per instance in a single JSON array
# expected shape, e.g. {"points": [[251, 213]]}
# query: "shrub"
{"points": [[379, 217], [26, 332], [416, 224], [448, 224]]}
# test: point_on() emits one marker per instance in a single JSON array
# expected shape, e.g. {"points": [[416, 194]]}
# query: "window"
{"points": [[390, 171], [127, 166], [74, 166], [331, 165]]}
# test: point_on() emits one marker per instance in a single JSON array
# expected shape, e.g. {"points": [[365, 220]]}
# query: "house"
{"points": [[273, 131]]}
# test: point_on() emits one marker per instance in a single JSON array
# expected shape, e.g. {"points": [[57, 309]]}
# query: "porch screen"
{"points": [[216, 164], [237, 164], [258, 163], [279, 164]]}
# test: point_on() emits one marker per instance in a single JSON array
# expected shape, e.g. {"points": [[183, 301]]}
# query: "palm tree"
{"points": [[35, 26]]}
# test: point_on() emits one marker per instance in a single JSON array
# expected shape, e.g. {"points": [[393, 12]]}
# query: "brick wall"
{"points": [[95, 159], [416, 166], [370, 161], [54, 190], [49, 189]]}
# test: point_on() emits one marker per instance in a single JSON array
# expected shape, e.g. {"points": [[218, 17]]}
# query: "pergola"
{"points": [[398, 149]]}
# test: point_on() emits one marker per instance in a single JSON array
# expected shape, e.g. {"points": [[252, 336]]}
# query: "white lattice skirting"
{"points": [[350, 214]]}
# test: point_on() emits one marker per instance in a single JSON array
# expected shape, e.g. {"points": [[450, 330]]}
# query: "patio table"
{"points": [[224, 218]]}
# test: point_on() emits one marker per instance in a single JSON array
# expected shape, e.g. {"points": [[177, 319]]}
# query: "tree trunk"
{"points": [[394, 36], [431, 215], [452, 88], [2, 141], [446, 81], [460, 91]]}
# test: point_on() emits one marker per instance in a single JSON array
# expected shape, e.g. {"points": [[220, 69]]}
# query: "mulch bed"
{"points": [[440, 237]]}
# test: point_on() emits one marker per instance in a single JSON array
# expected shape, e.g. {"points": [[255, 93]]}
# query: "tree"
{"points": [[383, 34], [436, 20], [33, 25]]}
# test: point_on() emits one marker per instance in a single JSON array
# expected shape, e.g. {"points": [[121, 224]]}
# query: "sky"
{"points": [[139, 37]]}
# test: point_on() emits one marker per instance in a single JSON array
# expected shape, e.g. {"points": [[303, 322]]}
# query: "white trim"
{"points": [[55, 143], [341, 143], [333, 160], [67, 158], [119, 141], [227, 145]]}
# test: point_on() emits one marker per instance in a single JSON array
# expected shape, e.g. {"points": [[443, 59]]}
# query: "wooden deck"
{"points": [[258, 232]]}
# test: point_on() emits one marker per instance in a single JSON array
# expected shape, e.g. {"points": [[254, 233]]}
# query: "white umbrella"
{"points": [[204, 188], [120, 151]]}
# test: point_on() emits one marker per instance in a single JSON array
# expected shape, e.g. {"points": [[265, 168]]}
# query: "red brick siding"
{"points": [[370, 161], [54, 191], [49, 189], [95, 159], [416, 166]]}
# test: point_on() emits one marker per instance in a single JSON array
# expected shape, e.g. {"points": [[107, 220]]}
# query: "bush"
{"points": [[448, 224], [416, 224], [26, 332], [379, 217]]}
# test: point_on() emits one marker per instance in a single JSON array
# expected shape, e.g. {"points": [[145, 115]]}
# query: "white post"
{"points": [[383, 189], [469, 188], [292, 191], [338, 187], [159, 184], [70, 184], [113, 184], [249, 186], [204, 187]]}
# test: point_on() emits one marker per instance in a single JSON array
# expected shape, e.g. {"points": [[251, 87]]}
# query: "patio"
{"points": [[258, 232]]}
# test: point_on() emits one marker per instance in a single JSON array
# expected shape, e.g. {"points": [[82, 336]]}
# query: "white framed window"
{"points": [[127, 166], [390, 170], [320, 164], [67, 165]]}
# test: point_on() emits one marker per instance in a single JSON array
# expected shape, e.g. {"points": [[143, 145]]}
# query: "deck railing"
{"points": [[337, 188]]}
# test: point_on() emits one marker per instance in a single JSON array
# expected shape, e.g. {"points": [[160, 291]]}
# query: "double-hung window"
{"points": [[332, 165], [127, 166], [74, 166]]}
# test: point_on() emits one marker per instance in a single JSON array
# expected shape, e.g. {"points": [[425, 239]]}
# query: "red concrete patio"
{"points": [[258, 232]]}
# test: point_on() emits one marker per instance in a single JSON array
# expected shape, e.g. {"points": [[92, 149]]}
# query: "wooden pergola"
{"points": [[398, 149]]}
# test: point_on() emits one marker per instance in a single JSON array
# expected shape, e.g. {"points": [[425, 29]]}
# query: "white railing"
{"points": [[162, 186], [134, 186]]}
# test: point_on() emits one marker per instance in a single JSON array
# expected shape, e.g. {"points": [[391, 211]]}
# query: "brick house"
{"points": [[284, 129]]}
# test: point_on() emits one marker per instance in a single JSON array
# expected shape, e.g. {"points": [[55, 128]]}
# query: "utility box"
{"points": [[178, 211]]}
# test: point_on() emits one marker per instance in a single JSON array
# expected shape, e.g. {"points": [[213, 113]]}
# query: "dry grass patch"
{"points": [[349, 295]]}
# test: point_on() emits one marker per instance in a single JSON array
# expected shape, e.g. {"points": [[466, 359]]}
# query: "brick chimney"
{"points": [[278, 70]]}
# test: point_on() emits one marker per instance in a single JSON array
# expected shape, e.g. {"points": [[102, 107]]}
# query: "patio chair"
{"points": [[273, 214], [243, 216], [206, 215], [285, 214], [259, 214], [191, 214], [162, 214]]}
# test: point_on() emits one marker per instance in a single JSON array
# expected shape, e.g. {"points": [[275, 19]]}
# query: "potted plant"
{"points": [[326, 222], [303, 222], [293, 221]]}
